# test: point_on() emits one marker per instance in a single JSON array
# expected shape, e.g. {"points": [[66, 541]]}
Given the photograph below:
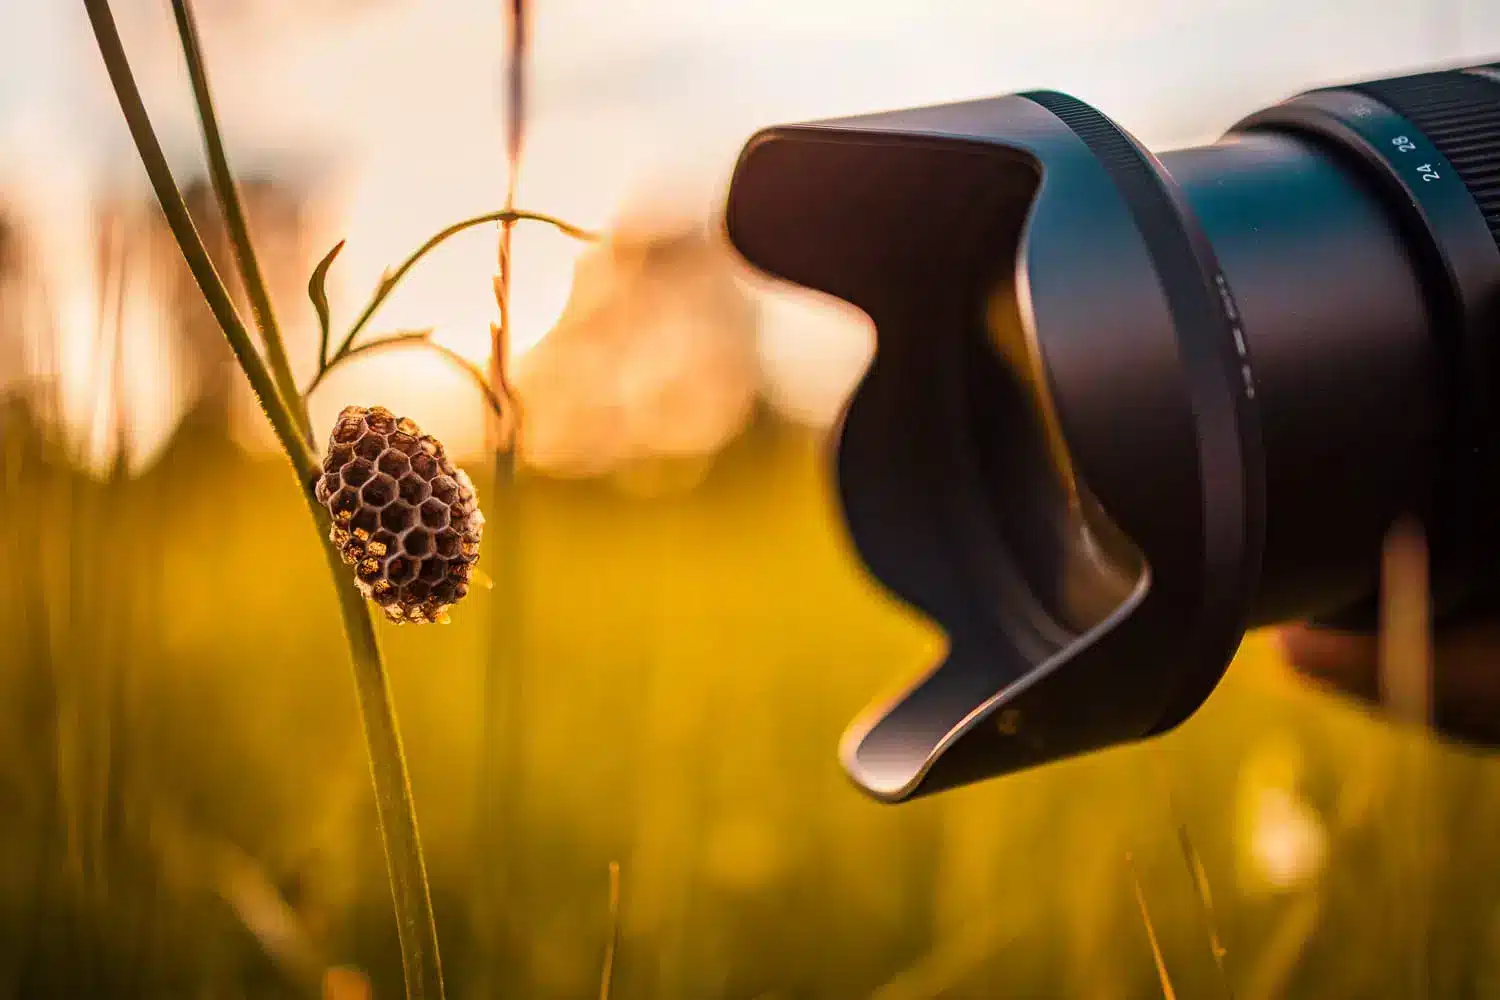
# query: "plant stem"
{"points": [[1167, 992], [235, 224], [395, 807], [198, 262], [504, 673], [502, 336], [393, 799], [416, 338], [607, 977], [390, 340], [389, 282]]}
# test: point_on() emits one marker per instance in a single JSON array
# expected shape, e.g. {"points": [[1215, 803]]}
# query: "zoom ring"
{"points": [[1459, 112], [1155, 215]]}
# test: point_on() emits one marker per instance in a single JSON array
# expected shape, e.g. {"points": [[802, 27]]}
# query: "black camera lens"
{"points": [[1125, 406]]}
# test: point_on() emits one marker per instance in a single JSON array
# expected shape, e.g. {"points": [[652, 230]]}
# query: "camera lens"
{"points": [[1125, 406]]}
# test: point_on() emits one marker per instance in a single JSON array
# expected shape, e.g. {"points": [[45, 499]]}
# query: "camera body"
{"points": [[1126, 406]]}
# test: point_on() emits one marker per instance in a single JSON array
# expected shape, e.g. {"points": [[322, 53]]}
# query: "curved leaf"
{"points": [[317, 290]]}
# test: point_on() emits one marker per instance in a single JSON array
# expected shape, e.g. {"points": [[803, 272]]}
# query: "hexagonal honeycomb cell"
{"points": [[371, 446], [347, 432], [435, 513], [414, 489], [418, 542], [364, 522], [400, 569], [379, 491], [398, 517], [384, 543], [357, 472], [445, 488], [404, 517], [394, 464], [343, 504], [424, 465], [380, 420]]}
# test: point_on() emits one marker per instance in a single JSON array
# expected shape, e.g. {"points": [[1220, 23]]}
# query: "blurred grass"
{"points": [[185, 812]]}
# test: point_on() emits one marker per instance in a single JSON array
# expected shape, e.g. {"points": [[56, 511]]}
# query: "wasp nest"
{"points": [[403, 516]]}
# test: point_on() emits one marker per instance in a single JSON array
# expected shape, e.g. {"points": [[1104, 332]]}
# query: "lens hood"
{"points": [[1081, 513]]}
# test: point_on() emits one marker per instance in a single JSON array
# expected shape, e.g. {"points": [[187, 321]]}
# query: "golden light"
{"points": [[398, 109], [399, 104], [653, 357], [1281, 841]]}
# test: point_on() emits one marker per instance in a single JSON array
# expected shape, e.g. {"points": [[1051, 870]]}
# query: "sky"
{"points": [[713, 69], [402, 105]]}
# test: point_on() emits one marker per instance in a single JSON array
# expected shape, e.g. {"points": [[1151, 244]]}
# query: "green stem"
{"points": [[235, 223], [396, 808], [415, 338], [181, 223], [501, 339], [504, 676], [393, 798], [389, 282]]}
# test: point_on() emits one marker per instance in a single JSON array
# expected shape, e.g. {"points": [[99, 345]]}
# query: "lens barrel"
{"points": [[1124, 407]]}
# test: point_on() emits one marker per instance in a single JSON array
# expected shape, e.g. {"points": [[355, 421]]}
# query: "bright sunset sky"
{"points": [[404, 100]]}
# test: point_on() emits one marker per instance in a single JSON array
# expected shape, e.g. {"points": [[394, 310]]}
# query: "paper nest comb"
{"points": [[404, 517]]}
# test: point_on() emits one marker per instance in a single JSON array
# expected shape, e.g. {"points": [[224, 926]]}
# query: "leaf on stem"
{"points": [[391, 278], [317, 290]]}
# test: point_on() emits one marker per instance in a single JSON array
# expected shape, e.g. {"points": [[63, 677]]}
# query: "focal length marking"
{"points": [[1409, 146], [1233, 315]]}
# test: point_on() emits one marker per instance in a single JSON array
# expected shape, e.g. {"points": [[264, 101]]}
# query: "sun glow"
{"points": [[389, 122]]}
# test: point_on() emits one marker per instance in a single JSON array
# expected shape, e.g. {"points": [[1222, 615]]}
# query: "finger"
{"points": [[1455, 686], [1376, 668], [1347, 662], [1466, 673], [1467, 684]]}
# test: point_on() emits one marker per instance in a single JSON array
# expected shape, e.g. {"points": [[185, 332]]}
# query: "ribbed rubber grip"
{"points": [[1459, 112], [1157, 218]]}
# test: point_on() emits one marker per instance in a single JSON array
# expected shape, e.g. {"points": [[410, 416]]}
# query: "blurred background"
{"points": [[678, 634]]}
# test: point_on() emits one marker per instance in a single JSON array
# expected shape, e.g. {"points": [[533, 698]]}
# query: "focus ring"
{"points": [[1209, 340], [1193, 306], [1460, 114], [1148, 203]]}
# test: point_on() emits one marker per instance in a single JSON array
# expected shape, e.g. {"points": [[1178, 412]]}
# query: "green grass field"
{"points": [[185, 810]]}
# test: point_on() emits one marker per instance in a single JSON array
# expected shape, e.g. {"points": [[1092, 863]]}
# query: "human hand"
{"points": [[1450, 681]]}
